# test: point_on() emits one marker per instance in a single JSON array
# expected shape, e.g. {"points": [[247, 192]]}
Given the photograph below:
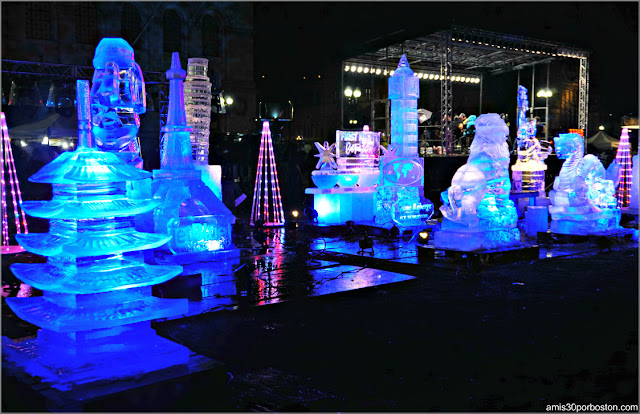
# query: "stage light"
{"points": [[229, 101], [423, 237], [353, 68], [431, 76], [378, 71], [65, 145], [357, 93], [348, 92], [391, 73], [22, 143], [366, 70], [394, 231], [346, 69], [359, 69], [601, 127], [45, 140], [295, 213]]}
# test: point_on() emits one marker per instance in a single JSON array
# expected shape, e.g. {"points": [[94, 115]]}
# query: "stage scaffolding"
{"points": [[465, 55]]}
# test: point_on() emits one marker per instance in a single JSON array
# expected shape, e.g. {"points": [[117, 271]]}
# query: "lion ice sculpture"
{"points": [[478, 213], [582, 200]]}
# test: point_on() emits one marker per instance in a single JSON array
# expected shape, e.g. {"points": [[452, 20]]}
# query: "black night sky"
{"points": [[300, 38]]}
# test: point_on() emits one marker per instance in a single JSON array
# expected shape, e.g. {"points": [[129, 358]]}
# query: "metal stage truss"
{"points": [[463, 54]]}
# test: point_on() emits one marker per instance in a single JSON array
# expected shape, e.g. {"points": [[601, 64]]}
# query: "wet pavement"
{"points": [[304, 322]]}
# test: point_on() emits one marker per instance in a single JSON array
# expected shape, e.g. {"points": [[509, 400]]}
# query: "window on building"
{"points": [[171, 31], [131, 23], [38, 20], [211, 36], [86, 21]]}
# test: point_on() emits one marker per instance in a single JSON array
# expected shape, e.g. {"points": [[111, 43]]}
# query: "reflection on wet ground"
{"points": [[276, 265]]}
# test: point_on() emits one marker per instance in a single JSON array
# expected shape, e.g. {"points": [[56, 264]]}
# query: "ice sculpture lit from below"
{"points": [[478, 213], [118, 99], [582, 200], [97, 305], [399, 198], [528, 171], [189, 210]]}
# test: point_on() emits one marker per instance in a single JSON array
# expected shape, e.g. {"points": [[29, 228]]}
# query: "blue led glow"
{"points": [[97, 300]]}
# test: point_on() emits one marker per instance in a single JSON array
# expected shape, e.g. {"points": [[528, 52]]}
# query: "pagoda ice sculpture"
{"points": [[398, 199], [355, 172], [118, 99], [478, 213], [190, 212], [583, 201], [528, 171], [96, 308]]}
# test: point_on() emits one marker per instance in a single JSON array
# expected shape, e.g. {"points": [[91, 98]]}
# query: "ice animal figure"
{"points": [[96, 311], [478, 213], [582, 200], [117, 99], [198, 221]]}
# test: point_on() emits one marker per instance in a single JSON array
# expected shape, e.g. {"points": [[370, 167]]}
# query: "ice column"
{"points": [[399, 198], [197, 97], [97, 306]]}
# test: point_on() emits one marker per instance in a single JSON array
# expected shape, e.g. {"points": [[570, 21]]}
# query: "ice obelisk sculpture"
{"points": [[197, 95], [190, 212], [402, 169], [96, 310]]}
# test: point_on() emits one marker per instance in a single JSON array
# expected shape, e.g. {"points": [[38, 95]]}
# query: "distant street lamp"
{"points": [[544, 93], [357, 93], [229, 101], [348, 92]]}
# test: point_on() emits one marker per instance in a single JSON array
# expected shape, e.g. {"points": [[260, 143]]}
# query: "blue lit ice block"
{"points": [[582, 200], [189, 210], [339, 205], [478, 213], [97, 305], [324, 178]]}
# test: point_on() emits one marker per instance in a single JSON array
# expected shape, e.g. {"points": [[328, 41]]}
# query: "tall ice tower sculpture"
{"points": [[190, 211], [399, 196]]}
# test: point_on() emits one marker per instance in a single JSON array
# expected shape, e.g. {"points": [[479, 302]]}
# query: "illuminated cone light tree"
{"points": [[7, 161], [267, 203], [623, 156]]}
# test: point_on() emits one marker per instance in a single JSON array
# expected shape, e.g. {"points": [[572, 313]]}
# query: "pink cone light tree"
{"points": [[623, 156], [267, 202]]}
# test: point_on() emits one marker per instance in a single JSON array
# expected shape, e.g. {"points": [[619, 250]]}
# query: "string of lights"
{"points": [[265, 181], [623, 156], [420, 75], [8, 161]]}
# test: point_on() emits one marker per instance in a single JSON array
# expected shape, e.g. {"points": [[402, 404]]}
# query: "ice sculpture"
{"points": [[197, 100], [325, 174], [582, 200], [267, 202], [97, 305], [478, 213], [528, 171], [190, 212], [117, 99], [399, 199], [633, 202]]}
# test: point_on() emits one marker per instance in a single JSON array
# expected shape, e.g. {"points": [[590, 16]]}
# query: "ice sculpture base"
{"points": [[21, 361], [586, 227], [339, 205], [476, 240], [66, 372]]}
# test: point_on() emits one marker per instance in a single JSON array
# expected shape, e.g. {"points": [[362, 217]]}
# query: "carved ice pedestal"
{"points": [[458, 237]]}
